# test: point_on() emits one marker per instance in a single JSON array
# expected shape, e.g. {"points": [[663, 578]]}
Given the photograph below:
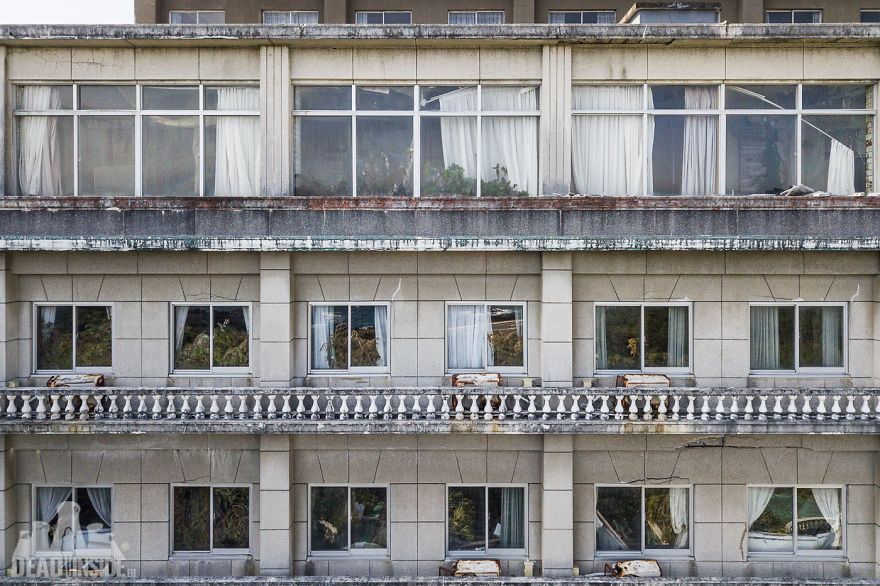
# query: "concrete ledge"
{"points": [[432, 581]]}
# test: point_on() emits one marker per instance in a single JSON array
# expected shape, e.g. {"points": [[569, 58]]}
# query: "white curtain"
{"points": [[180, 315], [322, 331], [47, 316], [601, 342], [39, 162], [841, 169], [831, 328], [512, 518], [466, 336], [699, 159], [49, 498], [381, 320], [828, 501], [459, 134], [676, 344], [100, 498], [759, 498], [678, 514], [511, 142], [764, 338], [607, 153], [462, 18], [275, 17], [238, 143], [246, 314]]}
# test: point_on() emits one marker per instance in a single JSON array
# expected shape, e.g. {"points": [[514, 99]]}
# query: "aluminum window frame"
{"points": [[218, 551], [212, 371], [476, 17], [198, 14], [791, 13], [507, 370], [35, 321], [646, 369], [289, 14], [372, 553], [73, 487], [356, 369], [817, 554], [383, 13], [497, 552], [581, 13], [807, 370], [864, 11]]}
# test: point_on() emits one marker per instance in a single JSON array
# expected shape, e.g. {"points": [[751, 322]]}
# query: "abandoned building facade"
{"points": [[280, 246]]}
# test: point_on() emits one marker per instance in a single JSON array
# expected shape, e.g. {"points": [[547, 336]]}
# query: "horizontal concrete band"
{"points": [[434, 581]]}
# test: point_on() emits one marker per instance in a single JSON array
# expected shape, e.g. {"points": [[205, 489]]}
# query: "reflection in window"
{"points": [[622, 526], [793, 16], [386, 17], [817, 331], [74, 337], [621, 344], [347, 518], [485, 336], [761, 154], [197, 17], [788, 520], [69, 519], [209, 518], [481, 518], [345, 337], [290, 17], [580, 17], [209, 337], [477, 17]]}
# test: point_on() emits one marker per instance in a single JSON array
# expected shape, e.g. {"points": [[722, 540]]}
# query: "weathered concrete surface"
{"points": [[434, 581]]}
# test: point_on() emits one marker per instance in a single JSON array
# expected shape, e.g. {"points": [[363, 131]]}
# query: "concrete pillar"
{"points": [[8, 323], [557, 507], [751, 11], [9, 533], [276, 319], [523, 11], [556, 319], [5, 137], [335, 12], [276, 506], [556, 120], [275, 129], [145, 12]]}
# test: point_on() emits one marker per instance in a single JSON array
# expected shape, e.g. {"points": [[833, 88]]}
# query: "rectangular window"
{"points": [[73, 338], [642, 519], [581, 17], [349, 337], [348, 519], [197, 17], [83, 139], [212, 338], [383, 17], [870, 15], [290, 17], [798, 337], [69, 519], [361, 140], [793, 16], [643, 337], [208, 519], [486, 519], [476, 17], [795, 520], [485, 336]]}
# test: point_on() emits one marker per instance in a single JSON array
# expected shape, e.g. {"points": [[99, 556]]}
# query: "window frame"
{"points": [[219, 551], [73, 487], [864, 11], [475, 13], [499, 553], [582, 12], [416, 114], [212, 371], [510, 370], [832, 554], [646, 369], [791, 13], [198, 14], [138, 114], [383, 13], [645, 552], [35, 317], [351, 369], [289, 14], [372, 553], [807, 370]]}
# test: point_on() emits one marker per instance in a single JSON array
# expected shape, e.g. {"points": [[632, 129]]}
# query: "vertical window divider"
{"points": [[211, 342], [479, 148], [645, 145], [348, 339], [138, 138], [354, 186], [417, 142], [721, 170], [73, 345], [799, 106], [203, 150], [642, 337], [348, 511], [797, 338], [643, 520], [76, 156]]}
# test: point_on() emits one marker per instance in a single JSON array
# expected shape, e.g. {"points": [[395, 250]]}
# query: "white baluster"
{"points": [[820, 408], [55, 410], [618, 407], [329, 409], [588, 408], [170, 412], [99, 407], [604, 411], [561, 412], [734, 407], [777, 407], [762, 408], [184, 407], [502, 407], [850, 408], [227, 408], [444, 407], [130, 411], [676, 407], [417, 406], [359, 407], [532, 410], [475, 407], [633, 408], [459, 407], [661, 408], [876, 407], [704, 408], [387, 410], [647, 407], [401, 406], [315, 410], [517, 407], [792, 407], [373, 410], [805, 410], [214, 410], [575, 409], [10, 406], [300, 406], [157, 406], [343, 407], [271, 409], [545, 410], [114, 408], [258, 406], [83, 407], [866, 407], [691, 407], [719, 408], [286, 409], [242, 407], [26, 407], [749, 409], [835, 408], [41, 407], [200, 406], [487, 408], [69, 409], [430, 408]]}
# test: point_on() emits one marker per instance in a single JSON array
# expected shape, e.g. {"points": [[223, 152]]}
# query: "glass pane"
{"points": [[369, 335], [106, 159], [95, 518], [94, 336], [54, 337], [449, 156], [192, 342], [618, 517], [834, 155], [369, 518], [398, 18], [384, 156], [505, 333], [507, 518], [666, 518], [667, 337], [304, 17], [779, 17], [465, 332], [171, 155], [760, 97], [819, 520], [598, 97], [276, 17], [685, 155], [329, 522], [330, 337], [772, 338], [837, 97], [183, 17], [232, 98], [467, 518], [231, 339], [322, 97], [509, 99], [490, 17], [462, 18], [322, 156], [106, 97], [870, 15], [564, 18], [170, 97], [369, 18], [509, 172], [680, 97], [617, 338], [212, 17], [54, 519], [44, 97], [232, 155], [449, 99], [231, 517], [384, 98], [770, 520], [46, 157], [192, 518], [806, 16], [821, 337], [761, 154]]}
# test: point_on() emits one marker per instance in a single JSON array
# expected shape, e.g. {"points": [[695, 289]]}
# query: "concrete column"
{"points": [[8, 323], [557, 507], [523, 11], [5, 137], [335, 12], [556, 319], [145, 12], [276, 495], [751, 11], [275, 129], [556, 121], [9, 533], [276, 319]]}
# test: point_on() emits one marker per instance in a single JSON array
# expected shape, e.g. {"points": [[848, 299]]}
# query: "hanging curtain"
{"points": [[759, 498], [459, 134], [512, 518], [100, 498], [246, 314], [39, 162], [322, 331], [491, 17], [466, 336], [47, 317], [49, 498], [275, 17], [180, 315], [765, 338], [699, 159], [490, 346], [607, 149], [238, 143], [462, 18], [828, 501], [831, 328], [677, 342], [678, 514], [511, 142], [380, 318], [601, 340], [841, 169]]}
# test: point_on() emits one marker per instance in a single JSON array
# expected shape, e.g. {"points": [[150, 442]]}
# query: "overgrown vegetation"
{"points": [[506, 347], [384, 176], [231, 517], [452, 181]]}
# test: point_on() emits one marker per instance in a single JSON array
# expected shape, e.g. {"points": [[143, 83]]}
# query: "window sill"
{"points": [[492, 555], [794, 374], [200, 555], [654, 555], [798, 558], [347, 557], [205, 374]]}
